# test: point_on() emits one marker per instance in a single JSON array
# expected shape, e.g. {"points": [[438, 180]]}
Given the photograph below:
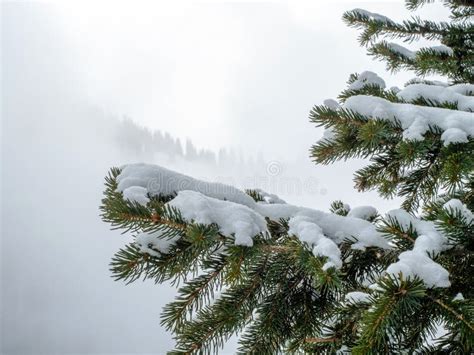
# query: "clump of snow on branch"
{"points": [[367, 78], [416, 262], [454, 135], [309, 232], [456, 205], [155, 243], [373, 16], [463, 89], [442, 49], [155, 180], [415, 120], [337, 228], [363, 212], [136, 194], [405, 52], [357, 297], [437, 94], [232, 218], [409, 54]]}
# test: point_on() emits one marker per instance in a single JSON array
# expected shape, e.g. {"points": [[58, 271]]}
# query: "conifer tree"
{"points": [[290, 279]]}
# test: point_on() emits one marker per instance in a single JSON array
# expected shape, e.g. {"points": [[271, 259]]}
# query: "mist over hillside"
{"points": [[156, 146], [57, 294]]}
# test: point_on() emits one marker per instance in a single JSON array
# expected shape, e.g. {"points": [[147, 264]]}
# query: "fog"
{"points": [[220, 91]]}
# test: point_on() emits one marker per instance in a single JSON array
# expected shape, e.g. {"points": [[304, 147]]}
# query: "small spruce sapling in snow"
{"points": [[293, 279]]}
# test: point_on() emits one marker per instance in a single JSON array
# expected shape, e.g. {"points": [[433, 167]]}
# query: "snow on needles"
{"points": [[309, 232], [437, 94], [238, 215], [416, 262], [137, 194], [401, 50], [367, 78], [442, 49], [357, 297], [155, 243], [363, 212], [415, 120], [242, 218], [464, 89], [405, 52], [154, 180], [373, 16], [232, 218], [456, 205], [337, 228]]}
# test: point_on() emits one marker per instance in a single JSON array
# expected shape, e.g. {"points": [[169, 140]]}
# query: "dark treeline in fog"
{"points": [[155, 145]]}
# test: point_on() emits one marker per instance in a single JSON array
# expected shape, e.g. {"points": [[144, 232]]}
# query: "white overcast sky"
{"points": [[222, 73]]}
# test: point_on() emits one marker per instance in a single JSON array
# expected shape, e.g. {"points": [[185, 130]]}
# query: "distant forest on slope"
{"points": [[155, 145]]}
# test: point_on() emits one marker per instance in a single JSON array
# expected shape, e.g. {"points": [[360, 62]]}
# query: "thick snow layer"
{"points": [[136, 194], [155, 243], [412, 263], [373, 15], [237, 213], [429, 238], [336, 227], [232, 218], [363, 212], [437, 94], [416, 262], [442, 49], [156, 180], [367, 78], [463, 89], [357, 297], [241, 217], [404, 219], [454, 135], [455, 204], [415, 120], [309, 232]]}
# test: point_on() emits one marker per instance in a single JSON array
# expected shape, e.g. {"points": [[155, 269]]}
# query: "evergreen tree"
{"points": [[289, 279]]}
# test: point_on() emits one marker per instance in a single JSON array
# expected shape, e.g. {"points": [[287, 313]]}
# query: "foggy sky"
{"points": [[224, 75]]}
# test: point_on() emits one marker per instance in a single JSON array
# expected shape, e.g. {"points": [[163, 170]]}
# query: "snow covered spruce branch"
{"points": [[452, 58], [419, 139], [210, 235]]}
